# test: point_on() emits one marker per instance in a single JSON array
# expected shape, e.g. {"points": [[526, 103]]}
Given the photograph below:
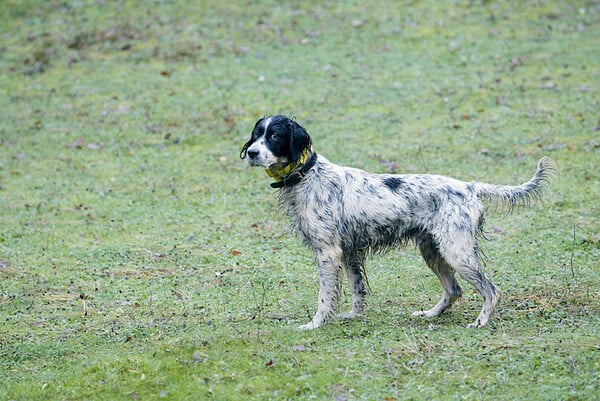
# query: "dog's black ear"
{"points": [[245, 148], [299, 141], [250, 141]]}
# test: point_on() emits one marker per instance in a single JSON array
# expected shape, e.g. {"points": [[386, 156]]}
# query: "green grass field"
{"points": [[140, 259]]}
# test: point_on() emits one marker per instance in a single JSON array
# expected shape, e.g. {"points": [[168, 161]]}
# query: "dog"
{"points": [[345, 214]]}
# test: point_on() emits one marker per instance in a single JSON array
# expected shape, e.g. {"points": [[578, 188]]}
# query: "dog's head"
{"points": [[276, 141]]}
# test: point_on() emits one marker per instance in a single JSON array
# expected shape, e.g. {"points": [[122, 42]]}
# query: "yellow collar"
{"points": [[277, 172]]}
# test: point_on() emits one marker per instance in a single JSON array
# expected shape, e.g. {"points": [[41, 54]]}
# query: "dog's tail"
{"points": [[525, 193]]}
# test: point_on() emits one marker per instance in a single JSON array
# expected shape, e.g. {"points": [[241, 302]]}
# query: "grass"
{"points": [[141, 259]]}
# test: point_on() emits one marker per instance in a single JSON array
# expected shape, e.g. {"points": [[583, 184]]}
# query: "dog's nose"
{"points": [[252, 153]]}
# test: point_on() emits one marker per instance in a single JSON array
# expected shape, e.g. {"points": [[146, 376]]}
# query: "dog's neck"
{"points": [[291, 174]]}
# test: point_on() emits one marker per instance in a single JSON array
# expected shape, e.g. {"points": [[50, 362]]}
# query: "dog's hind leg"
{"points": [[451, 289], [464, 260], [354, 263], [329, 261], [489, 291]]}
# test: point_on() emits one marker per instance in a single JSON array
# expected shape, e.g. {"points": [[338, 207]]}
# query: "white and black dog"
{"points": [[344, 213]]}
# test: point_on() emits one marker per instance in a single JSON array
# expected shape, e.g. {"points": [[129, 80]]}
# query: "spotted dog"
{"points": [[344, 214]]}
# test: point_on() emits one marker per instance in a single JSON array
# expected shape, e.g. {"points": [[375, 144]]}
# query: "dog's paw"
{"points": [[349, 315], [422, 313], [308, 326], [477, 324], [427, 314]]}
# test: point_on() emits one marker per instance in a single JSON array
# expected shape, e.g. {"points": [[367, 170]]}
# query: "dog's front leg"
{"points": [[329, 263], [354, 263]]}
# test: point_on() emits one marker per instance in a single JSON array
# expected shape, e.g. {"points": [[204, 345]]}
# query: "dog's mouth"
{"points": [[267, 164], [254, 162]]}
